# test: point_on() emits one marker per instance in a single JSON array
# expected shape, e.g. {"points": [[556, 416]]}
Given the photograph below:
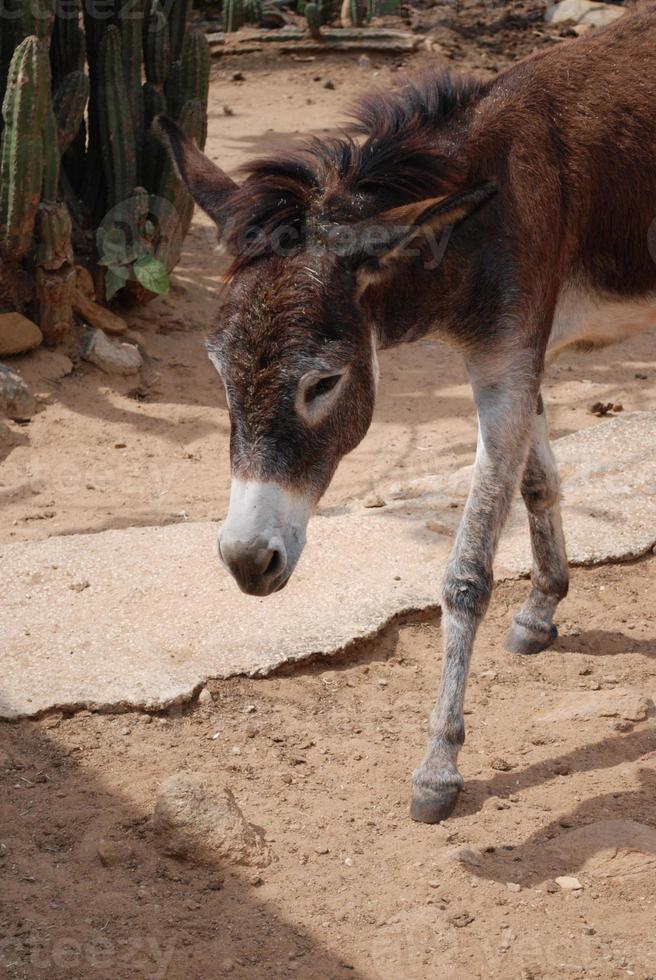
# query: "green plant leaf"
{"points": [[115, 278], [152, 274]]}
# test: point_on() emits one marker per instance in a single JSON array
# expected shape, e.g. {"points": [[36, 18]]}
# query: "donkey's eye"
{"points": [[321, 387]]}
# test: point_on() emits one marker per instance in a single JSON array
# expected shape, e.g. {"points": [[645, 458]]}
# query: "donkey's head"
{"points": [[309, 235]]}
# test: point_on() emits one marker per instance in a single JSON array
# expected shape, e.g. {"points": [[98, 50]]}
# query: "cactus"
{"points": [[130, 19], [313, 18], [75, 143], [233, 15], [115, 125], [253, 11], [55, 275], [153, 153], [157, 47], [51, 157], [21, 158], [69, 103], [173, 90], [67, 48], [178, 17], [195, 74], [356, 13]]}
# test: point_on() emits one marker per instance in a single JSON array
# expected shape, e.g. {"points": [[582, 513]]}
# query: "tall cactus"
{"points": [[313, 18], [21, 156], [233, 15], [117, 136], [69, 103]]}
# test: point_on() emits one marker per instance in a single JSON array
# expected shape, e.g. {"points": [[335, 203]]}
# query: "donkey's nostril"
{"points": [[275, 564], [256, 564]]}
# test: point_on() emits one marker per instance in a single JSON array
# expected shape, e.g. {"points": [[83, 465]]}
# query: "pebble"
{"points": [[501, 765], [569, 883], [322, 849], [205, 697], [513, 886], [16, 400], [329, 85], [373, 500]]}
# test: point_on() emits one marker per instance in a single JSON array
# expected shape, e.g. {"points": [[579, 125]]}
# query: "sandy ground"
{"points": [[324, 758]]}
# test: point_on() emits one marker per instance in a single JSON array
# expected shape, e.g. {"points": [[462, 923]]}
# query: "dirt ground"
{"points": [[321, 758]]}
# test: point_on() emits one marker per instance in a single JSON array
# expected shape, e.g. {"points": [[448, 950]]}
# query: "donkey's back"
{"points": [[584, 121]]}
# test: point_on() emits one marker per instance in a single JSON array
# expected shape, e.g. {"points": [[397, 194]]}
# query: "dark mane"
{"points": [[404, 156]]}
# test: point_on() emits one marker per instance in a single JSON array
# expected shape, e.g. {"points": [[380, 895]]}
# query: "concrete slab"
{"points": [[142, 617]]}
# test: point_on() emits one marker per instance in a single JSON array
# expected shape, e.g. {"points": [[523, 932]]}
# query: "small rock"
{"points": [[568, 883], [110, 356], [16, 400], [238, 76], [197, 818], [205, 697], [461, 920], [322, 849], [18, 334], [227, 111], [365, 62], [501, 765], [329, 85], [513, 886], [348, 862], [80, 586], [583, 12], [373, 500], [113, 853], [562, 769]]}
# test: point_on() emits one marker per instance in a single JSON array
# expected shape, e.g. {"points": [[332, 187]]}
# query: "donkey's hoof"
{"points": [[529, 642], [427, 807]]}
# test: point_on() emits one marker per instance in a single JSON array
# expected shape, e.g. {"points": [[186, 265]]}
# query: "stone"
{"points": [[373, 500], [617, 702], [18, 334], [16, 400], [569, 883], [205, 697], [97, 316], [110, 356], [114, 853], [161, 649], [583, 12], [199, 819]]}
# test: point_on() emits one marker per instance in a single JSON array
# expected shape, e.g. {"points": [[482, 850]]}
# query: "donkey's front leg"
{"points": [[533, 627], [505, 401]]}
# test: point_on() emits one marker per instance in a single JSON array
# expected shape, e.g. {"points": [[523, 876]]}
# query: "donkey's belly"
{"points": [[592, 319]]}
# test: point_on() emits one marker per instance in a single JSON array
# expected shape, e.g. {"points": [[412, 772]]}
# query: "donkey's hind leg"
{"points": [[533, 629]]}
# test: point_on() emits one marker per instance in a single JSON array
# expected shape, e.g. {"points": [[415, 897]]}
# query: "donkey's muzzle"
{"points": [[263, 535], [259, 566]]}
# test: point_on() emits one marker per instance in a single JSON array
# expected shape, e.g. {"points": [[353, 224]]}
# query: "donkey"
{"points": [[510, 217]]}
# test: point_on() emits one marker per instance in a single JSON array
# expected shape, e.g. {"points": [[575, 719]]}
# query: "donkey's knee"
{"points": [[540, 490], [466, 594]]}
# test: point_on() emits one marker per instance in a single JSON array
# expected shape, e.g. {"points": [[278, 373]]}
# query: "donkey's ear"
{"points": [[393, 236], [209, 186]]}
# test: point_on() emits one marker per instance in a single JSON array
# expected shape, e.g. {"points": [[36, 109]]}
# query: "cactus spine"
{"points": [[21, 157]]}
